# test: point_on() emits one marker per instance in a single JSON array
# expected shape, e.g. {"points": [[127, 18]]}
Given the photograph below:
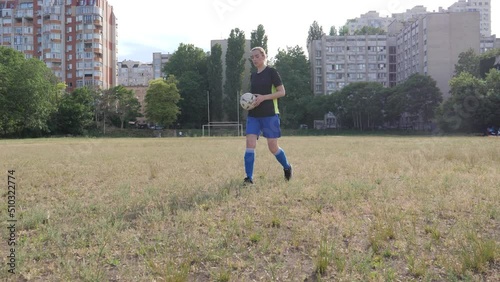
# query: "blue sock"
{"points": [[249, 160], [281, 157]]}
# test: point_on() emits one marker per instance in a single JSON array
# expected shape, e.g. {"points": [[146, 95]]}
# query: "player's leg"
{"points": [[272, 131], [252, 134]]}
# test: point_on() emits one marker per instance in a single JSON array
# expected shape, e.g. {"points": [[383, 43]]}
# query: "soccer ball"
{"points": [[246, 101]]}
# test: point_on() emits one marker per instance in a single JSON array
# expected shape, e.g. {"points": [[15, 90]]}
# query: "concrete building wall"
{"points": [[159, 61], [446, 35], [337, 61], [134, 73], [481, 6]]}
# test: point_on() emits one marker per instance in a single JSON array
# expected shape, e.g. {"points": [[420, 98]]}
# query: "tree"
{"points": [[127, 105], [421, 96], [259, 38], [333, 31], [27, 94], [235, 65], [293, 66], [492, 106], [344, 30], [315, 33], [359, 105], [487, 61], [215, 82], [189, 65], [75, 112], [468, 61], [161, 101], [465, 110], [369, 30]]}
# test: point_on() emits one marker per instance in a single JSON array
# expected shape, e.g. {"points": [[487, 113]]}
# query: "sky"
{"points": [[149, 26]]}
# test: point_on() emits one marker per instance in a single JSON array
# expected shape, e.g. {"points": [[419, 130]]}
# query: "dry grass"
{"points": [[173, 209]]}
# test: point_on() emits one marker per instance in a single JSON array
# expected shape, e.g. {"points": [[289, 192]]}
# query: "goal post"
{"points": [[222, 128]]}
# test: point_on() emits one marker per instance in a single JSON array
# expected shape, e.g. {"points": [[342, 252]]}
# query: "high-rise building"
{"points": [[337, 61], [370, 19], [481, 6], [134, 73], [410, 14], [431, 46], [428, 44], [159, 61], [75, 38]]}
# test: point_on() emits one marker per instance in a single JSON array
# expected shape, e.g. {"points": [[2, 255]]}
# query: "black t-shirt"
{"points": [[265, 83]]}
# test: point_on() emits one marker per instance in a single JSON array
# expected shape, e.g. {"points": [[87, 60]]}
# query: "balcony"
{"points": [[27, 14]]}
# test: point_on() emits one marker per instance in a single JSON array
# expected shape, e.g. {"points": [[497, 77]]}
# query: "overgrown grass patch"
{"points": [[174, 209]]}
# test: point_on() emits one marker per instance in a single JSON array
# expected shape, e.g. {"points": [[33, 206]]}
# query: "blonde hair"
{"points": [[261, 50]]}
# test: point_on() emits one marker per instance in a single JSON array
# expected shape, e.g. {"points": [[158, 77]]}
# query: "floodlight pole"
{"points": [[238, 110], [208, 111]]}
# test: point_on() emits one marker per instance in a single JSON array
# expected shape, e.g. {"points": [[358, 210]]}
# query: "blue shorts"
{"points": [[269, 126]]}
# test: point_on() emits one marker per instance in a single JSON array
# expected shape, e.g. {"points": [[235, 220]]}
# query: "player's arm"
{"points": [[280, 92]]}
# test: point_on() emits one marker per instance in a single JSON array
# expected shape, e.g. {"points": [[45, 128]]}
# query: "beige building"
{"points": [[481, 6], [431, 46], [75, 38], [337, 61], [428, 45]]}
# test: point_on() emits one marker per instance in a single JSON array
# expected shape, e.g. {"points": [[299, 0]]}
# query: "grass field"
{"points": [[174, 209]]}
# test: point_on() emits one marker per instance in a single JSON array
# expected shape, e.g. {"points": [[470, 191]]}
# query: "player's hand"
{"points": [[258, 99]]}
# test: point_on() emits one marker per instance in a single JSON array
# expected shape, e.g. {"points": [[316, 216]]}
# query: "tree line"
{"points": [[34, 103]]}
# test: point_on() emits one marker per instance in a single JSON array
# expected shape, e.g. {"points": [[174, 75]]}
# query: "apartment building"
{"points": [[488, 43], [75, 38], [371, 19], [410, 14], [481, 6], [431, 45], [134, 73], [159, 61], [339, 60]]}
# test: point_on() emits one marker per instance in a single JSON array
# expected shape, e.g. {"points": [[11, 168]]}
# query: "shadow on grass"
{"points": [[199, 198]]}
